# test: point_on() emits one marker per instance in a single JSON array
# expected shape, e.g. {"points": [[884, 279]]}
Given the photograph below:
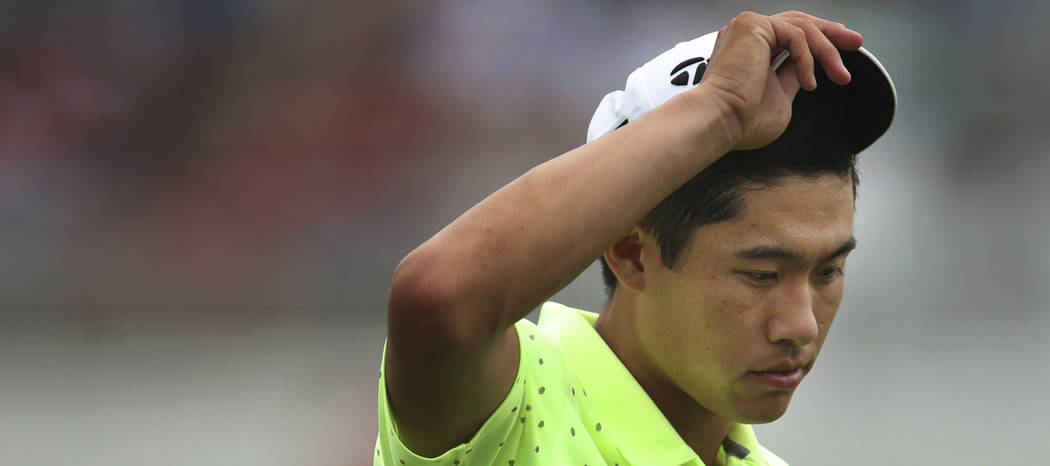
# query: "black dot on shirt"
{"points": [[500, 444], [541, 361], [402, 461], [598, 427], [542, 389], [528, 407], [532, 337], [457, 462], [522, 420], [511, 462], [514, 409], [572, 431], [537, 448], [377, 452], [540, 424], [573, 391]]}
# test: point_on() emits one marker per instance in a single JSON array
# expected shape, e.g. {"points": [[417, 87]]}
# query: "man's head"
{"points": [[740, 271], [724, 292]]}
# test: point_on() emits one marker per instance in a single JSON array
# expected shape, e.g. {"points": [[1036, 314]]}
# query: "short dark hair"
{"points": [[812, 145]]}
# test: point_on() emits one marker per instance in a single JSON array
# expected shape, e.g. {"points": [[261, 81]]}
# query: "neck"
{"points": [[701, 429]]}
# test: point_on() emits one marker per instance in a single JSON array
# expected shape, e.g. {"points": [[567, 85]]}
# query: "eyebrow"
{"points": [[767, 251]]}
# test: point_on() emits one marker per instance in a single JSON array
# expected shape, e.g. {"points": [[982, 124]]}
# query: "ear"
{"points": [[625, 259]]}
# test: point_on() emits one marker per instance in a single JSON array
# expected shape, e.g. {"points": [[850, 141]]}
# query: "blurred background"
{"points": [[202, 202]]}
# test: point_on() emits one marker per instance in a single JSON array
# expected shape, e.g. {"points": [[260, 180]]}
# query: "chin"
{"points": [[762, 411], [763, 418]]}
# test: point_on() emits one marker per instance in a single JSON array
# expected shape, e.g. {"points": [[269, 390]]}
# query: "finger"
{"points": [[840, 35], [793, 38], [826, 53], [788, 78]]}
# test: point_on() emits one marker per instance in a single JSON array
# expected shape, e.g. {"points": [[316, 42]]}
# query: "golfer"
{"points": [[717, 189]]}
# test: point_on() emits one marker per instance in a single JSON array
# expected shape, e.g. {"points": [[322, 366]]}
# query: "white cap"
{"points": [[867, 103]]}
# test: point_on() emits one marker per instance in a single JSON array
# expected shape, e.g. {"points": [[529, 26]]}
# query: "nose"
{"points": [[793, 319]]}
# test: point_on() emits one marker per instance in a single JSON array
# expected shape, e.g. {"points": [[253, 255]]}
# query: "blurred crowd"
{"points": [[192, 155], [242, 158]]}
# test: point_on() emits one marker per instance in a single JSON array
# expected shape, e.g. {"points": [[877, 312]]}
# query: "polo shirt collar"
{"points": [[634, 423]]}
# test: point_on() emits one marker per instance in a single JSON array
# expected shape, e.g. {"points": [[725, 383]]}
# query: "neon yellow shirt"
{"points": [[573, 403]]}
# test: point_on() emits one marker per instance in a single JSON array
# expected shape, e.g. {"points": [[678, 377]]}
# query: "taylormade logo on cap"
{"points": [[682, 79], [669, 74]]}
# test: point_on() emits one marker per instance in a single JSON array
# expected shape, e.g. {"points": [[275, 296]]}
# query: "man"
{"points": [[724, 264]]}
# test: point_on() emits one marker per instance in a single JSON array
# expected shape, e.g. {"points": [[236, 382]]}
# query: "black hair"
{"points": [[813, 144]]}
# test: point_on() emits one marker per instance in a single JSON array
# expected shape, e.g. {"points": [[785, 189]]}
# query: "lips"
{"points": [[778, 379], [783, 374]]}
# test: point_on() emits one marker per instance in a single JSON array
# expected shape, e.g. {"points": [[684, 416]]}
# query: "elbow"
{"points": [[415, 288], [424, 302]]}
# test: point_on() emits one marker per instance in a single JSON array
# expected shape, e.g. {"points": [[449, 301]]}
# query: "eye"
{"points": [[761, 277], [830, 273]]}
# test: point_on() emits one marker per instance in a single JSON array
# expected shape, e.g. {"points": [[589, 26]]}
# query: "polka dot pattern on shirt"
{"points": [[524, 435]]}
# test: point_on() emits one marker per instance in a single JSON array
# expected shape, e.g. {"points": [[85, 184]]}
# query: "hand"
{"points": [[758, 97]]}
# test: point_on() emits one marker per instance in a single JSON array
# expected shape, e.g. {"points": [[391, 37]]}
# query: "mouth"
{"points": [[783, 375], [784, 379]]}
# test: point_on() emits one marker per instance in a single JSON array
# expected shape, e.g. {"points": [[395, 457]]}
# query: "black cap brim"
{"points": [[866, 105]]}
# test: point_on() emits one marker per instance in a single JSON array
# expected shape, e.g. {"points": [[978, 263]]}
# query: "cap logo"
{"points": [[682, 78]]}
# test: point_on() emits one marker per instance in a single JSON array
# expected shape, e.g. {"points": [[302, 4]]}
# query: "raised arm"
{"points": [[452, 353]]}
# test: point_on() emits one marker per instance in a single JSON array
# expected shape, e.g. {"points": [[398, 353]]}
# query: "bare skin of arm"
{"points": [[452, 353]]}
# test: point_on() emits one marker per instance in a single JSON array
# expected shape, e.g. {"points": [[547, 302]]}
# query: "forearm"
{"points": [[531, 238]]}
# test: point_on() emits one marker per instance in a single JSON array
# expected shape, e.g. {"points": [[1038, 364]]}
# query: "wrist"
{"points": [[719, 122]]}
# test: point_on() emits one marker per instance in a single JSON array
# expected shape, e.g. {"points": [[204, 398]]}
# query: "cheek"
{"points": [[686, 322], [738, 306], [706, 308], [701, 317], [725, 321]]}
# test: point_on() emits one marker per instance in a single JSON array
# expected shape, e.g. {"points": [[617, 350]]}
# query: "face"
{"points": [[740, 319]]}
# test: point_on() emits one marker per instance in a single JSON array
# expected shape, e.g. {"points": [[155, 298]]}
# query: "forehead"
{"points": [[809, 214]]}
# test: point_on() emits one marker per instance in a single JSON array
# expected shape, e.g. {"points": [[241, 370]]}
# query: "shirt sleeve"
{"points": [[483, 448]]}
